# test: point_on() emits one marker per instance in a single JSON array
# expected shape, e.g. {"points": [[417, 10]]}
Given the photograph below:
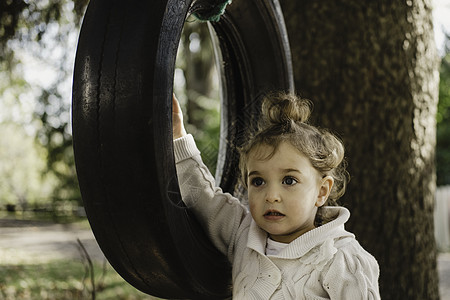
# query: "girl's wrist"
{"points": [[177, 135]]}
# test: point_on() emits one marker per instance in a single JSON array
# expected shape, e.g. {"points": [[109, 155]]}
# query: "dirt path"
{"points": [[24, 242]]}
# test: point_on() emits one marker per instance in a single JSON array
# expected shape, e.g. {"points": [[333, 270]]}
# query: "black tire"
{"points": [[122, 132]]}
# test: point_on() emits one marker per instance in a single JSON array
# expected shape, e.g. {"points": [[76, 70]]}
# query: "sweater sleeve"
{"points": [[353, 274], [219, 213]]}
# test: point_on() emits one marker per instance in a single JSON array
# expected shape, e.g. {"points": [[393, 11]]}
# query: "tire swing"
{"points": [[122, 132]]}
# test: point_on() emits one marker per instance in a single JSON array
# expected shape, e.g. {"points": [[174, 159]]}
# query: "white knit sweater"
{"points": [[324, 263]]}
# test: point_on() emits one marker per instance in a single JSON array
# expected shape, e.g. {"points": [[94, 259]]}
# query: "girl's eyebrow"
{"points": [[253, 173], [291, 170], [283, 170]]}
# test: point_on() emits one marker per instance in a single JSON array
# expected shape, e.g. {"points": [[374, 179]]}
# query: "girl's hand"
{"points": [[177, 119]]}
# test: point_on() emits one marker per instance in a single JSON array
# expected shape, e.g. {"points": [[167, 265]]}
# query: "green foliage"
{"points": [[63, 280], [22, 160], [55, 136], [443, 124], [21, 169], [10, 14], [23, 21], [197, 87], [208, 132], [42, 35], [16, 15]]}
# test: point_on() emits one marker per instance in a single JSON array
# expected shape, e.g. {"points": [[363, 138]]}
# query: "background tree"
{"points": [[43, 33], [443, 121], [371, 70], [198, 91]]}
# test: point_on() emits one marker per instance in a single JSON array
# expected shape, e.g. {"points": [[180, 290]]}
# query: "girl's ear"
{"points": [[324, 190]]}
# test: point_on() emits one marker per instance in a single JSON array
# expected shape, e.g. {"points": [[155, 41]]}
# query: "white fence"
{"points": [[441, 218]]}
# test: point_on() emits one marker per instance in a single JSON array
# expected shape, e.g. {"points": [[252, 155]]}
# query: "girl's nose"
{"points": [[273, 195]]}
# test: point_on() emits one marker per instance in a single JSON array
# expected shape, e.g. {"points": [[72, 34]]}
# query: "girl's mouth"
{"points": [[273, 215]]}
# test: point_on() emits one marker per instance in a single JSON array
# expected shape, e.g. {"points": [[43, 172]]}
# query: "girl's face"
{"points": [[284, 191]]}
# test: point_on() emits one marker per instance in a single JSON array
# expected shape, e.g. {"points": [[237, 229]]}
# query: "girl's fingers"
{"points": [[177, 119], [176, 109]]}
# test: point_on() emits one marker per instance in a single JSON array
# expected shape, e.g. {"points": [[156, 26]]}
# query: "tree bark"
{"points": [[371, 70]]}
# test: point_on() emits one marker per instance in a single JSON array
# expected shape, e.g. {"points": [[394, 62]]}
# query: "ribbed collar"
{"points": [[257, 237]]}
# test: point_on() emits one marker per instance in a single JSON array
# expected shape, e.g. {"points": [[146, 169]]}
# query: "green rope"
{"points": [[209, 10]]}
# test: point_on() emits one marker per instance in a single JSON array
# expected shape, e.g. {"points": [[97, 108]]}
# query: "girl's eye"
{"points": [[257, 181], [289, 181]]}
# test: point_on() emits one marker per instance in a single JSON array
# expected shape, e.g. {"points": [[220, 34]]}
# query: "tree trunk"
{"points": [[199, 68], [371, 69]]}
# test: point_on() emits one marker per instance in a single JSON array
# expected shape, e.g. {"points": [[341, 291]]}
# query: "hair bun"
{"points": [[283, 108]]}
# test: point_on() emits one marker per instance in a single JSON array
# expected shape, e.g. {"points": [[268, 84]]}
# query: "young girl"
{"points": [[292, 244]]}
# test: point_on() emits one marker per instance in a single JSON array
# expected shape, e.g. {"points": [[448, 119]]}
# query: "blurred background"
{"points": [[36, 159], [38, 184]]}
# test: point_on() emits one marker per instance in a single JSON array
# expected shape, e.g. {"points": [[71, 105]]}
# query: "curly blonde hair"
{"points": [[285, 119]]}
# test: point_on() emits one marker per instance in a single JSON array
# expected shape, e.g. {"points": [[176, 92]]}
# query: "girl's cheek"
{"points": [[251, 205]]}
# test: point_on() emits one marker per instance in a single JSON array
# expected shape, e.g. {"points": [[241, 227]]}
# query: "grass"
{"points": [[63, 279], [43, 216], [24, 276]]}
